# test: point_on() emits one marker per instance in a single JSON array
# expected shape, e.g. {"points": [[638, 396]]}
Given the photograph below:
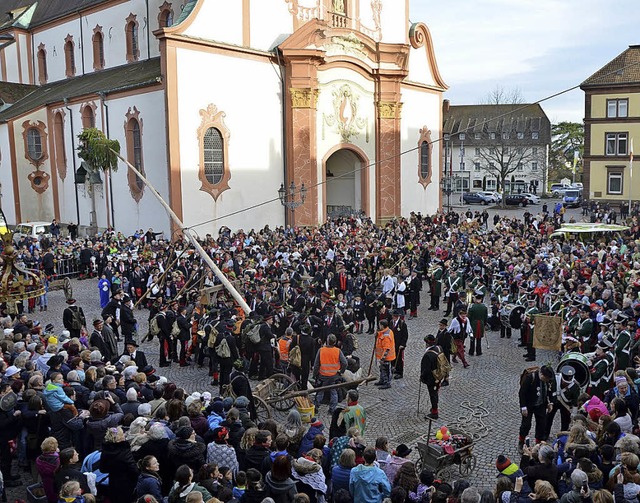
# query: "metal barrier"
{"points": [[68, 267]]}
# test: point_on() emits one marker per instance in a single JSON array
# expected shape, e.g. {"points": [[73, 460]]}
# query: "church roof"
{"points": [[11, 92], [121, 78], [43, 11], [624, 69]]}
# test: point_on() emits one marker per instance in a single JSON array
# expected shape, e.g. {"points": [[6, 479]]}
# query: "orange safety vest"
{"points": [[329, 361], [283, 347], [384, 341]]}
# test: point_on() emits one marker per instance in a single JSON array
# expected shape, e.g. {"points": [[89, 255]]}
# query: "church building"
{"points": [[224, 105]]}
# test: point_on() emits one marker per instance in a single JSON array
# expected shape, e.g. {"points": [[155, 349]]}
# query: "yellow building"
{"points": [[612, 120]]}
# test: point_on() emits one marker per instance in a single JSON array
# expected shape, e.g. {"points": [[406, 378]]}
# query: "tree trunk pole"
{"points": [[187, 232]]}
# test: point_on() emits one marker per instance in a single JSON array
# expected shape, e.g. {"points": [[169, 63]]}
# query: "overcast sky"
{"points": [[538, 46]]}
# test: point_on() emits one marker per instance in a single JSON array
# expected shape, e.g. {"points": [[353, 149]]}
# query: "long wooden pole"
{"points": [[160, 279], [187, 232], [306, 392]]}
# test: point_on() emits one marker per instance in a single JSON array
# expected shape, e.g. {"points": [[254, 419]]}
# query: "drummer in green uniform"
{"points": [[623, 341], [555, 304], [584, 330], [602, 368], [564, 392], [477, 314], [572, 320]]}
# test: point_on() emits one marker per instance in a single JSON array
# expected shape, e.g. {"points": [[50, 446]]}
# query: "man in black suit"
{"points": [[534, 402], [401, 336], [131, 350], [113, 309]]}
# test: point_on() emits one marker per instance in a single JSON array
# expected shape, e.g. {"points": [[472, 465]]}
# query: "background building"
{"points": [[486, 144], [612, 120], [219, 108]]}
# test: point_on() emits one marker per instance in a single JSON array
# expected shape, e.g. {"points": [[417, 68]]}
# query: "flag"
{"points": [[631, 151], [548, 332], [576, 156]]}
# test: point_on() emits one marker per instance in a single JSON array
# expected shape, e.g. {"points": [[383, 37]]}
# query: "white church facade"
{"points": [[219, 103]]}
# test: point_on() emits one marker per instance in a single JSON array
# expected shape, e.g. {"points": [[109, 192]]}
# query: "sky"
{"points": [[540, 47]]}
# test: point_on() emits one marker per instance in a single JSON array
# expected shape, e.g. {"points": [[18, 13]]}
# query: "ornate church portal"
{"points": [[344, 183]]}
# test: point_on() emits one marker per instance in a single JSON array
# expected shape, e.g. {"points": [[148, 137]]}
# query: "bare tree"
{"points": [[505, 157], [501, 96]]}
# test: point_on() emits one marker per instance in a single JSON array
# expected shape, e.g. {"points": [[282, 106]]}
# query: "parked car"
{"points": [[533, 199], [489, 197], [572, 197], [472, 197], [558, 189], [516, 200], [32, 230]]}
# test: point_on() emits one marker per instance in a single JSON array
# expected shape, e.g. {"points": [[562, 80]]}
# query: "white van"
{"points": [[32, 230]]}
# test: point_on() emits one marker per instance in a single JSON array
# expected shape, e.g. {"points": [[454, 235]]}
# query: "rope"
{"points": [[472, 422]]}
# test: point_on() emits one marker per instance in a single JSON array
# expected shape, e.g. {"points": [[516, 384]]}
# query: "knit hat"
{"points": [[578, 478], [242, 401], [227, 403], [502, 463], [184, 432], [620, 379], [218, 408]]}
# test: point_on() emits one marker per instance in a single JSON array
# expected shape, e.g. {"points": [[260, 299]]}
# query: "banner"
{"points": [[548, 332]]}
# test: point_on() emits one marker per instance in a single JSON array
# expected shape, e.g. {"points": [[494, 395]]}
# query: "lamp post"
{"points": [[448, 185], [288, 196]]}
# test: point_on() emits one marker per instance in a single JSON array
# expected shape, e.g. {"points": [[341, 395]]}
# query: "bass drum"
{"points": [[579, 363], [512, 316]]}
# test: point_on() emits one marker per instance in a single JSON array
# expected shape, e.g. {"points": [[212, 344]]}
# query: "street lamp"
{"points": [[288, 197], [448, 185]]}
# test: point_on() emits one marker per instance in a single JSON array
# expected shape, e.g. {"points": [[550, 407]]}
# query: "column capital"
{"points": [[303, 97], [389, 110]]}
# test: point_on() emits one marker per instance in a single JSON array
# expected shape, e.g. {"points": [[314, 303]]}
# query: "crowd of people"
{"points": [[94, 420]]}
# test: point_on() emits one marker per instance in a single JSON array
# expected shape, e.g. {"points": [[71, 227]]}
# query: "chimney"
{"points": [[446, 105]]}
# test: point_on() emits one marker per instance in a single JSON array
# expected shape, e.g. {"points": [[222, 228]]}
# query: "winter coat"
{"points": [[222, 455], [71, 472], [96, 428], [184, 452], [282, 491], [47, 464], [340, 478], [539, 471], [55, 397], [179, 494], [158, 448], [130, 408], [254, 456], [149, 483], [117, 460], [307, 441], [368, 483]]}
